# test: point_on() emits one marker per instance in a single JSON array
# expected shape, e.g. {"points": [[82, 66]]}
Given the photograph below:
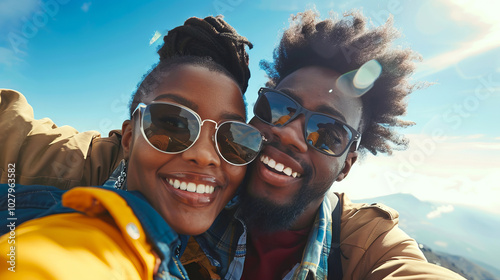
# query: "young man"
{"points": [[282, 227]]}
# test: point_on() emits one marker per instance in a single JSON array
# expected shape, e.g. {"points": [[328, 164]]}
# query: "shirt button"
{"points": [[133, 231]]}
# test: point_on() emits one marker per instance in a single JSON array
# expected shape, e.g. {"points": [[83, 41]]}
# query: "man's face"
{"points": [[314, 88]]}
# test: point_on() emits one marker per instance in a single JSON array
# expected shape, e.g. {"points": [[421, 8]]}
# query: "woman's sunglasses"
{"points": [[323, 132], [172, 128]]}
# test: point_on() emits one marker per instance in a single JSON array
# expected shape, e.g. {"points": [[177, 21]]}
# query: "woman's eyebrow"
{"points": [[183, 101], [179, 99], [233, 116]]}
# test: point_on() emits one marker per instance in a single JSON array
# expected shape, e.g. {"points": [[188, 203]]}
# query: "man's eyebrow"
{"points": [[331, 111], [183, 101], [179, 99], [325, 109], [292, 94]]}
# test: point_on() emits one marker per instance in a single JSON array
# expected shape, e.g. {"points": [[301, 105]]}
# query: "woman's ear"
{"points": [[127, 132], [351, 158]]}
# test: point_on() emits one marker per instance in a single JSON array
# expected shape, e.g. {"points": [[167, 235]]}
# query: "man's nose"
{"points": [[292, 134]]}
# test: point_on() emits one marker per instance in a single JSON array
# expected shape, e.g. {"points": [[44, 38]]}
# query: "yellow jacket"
{"points": [[105, 240]]}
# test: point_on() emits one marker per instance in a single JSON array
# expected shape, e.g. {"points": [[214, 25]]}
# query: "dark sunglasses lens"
{"points": [[275, 108], [327, 135], [238, 142], [170, 128]]}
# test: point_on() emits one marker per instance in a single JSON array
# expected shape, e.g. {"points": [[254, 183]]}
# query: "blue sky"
{"points": [[78, 62]]}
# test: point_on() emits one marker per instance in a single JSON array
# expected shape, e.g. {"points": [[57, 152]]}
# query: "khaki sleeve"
{"points": [[46, 154], [374, 247], [397, 256]]}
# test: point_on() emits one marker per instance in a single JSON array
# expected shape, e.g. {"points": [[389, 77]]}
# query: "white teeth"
{"points": [[200, 188], [288, 171], [280, 167], [192, 187], [265, 160]]}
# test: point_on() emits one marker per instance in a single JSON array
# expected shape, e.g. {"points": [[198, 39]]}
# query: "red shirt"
{"points": [[272, 256]]}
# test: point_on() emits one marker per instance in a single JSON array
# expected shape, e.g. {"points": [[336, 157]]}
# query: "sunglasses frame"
{"points": [[142, 107], [356, 136]]}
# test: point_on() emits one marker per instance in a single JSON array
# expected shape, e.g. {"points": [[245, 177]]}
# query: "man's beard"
{"points": [[267, 216]]}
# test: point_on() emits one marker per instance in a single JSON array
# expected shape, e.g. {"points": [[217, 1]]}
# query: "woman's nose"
{"points": [[203, 152]]}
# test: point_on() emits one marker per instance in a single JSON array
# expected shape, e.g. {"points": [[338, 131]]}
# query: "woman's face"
{"points": [[213, 96]]}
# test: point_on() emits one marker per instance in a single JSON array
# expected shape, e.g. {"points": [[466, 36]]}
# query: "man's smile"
{"points": [[279, 167]]}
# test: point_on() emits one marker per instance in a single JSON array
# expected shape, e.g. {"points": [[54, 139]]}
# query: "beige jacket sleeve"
{"points": [[46, 154], [374, 247]]}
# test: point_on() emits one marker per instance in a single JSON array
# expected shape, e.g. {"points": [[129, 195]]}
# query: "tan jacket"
{"points": [[45, 154], [374, 247]]}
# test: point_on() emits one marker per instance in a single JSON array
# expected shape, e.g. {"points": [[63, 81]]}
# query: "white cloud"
{"points": [[86, 6], [440, 210], [8, 57], [475, 136], [295, 5], [441, 243], [489, 146], [14, 10], [457, 170], [156, 36], [480, 13]]}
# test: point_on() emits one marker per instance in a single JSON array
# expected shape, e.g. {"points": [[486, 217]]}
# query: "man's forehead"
{"points": [[327, 107], [315, 88]]}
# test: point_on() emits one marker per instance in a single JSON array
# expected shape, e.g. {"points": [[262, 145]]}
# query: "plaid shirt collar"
{"points": [[225, 244]]}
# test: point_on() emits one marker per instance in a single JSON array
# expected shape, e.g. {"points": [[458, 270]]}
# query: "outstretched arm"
{"points": [[46, 154]]}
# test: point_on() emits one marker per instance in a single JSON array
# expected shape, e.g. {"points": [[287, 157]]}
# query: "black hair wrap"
{"points": [[210, 37]]}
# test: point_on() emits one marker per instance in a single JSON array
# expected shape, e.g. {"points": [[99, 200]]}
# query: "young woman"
{"points": [[185, 148]]}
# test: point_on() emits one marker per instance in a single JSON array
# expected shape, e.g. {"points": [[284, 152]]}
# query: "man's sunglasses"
{"points": [[172, 128], [323, 132]]}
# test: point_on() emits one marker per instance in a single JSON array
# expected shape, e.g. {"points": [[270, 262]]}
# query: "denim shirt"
{"points": [[225, 244], [40, 201]]}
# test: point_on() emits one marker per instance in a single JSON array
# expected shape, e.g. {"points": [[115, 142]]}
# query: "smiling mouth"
{"points": [[278, 167], [191, 187]]}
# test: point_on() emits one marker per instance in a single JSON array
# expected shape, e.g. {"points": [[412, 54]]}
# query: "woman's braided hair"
{"points": [[344, 45], [208, 42]]}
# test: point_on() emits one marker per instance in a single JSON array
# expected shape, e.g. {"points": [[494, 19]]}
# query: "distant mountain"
{"points": [[452, 229], [460, 265]]}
